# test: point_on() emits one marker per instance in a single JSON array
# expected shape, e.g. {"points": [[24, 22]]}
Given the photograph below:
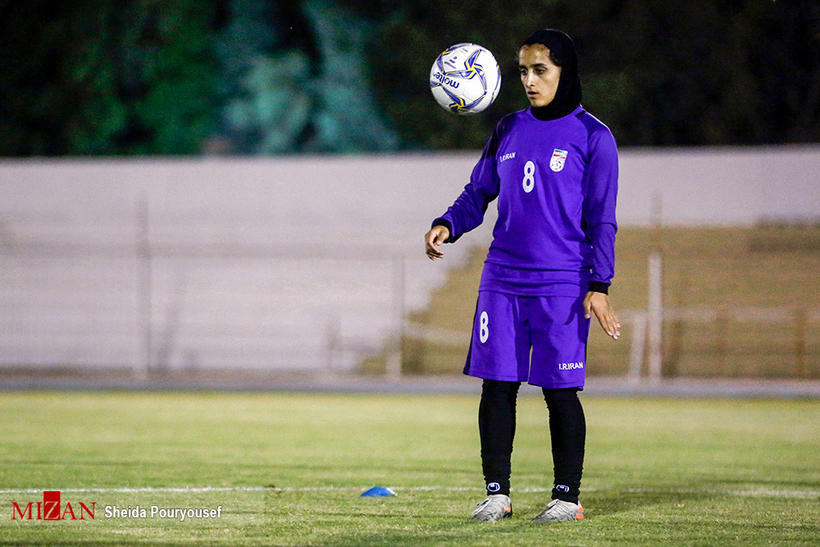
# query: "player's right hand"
{"points": [[433, 239]]}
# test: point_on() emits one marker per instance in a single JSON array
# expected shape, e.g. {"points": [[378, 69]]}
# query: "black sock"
{"points": [[496, 426], [568, 436]]}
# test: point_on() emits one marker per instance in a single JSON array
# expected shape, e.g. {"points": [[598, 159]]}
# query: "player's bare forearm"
{"points": [[433, 240], [598, 303]]}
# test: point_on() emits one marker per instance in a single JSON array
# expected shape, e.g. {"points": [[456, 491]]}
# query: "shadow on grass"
{"points": [[600, 504]]}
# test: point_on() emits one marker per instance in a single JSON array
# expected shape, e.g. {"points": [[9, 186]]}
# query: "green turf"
{"points": [[658, 472]]}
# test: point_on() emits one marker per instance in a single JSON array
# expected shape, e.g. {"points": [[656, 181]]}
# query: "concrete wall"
{"points": [[298, 263], [720, 186]]}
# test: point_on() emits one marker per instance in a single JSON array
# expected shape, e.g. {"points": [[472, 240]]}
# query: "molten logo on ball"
{"points": [[465, 79]]}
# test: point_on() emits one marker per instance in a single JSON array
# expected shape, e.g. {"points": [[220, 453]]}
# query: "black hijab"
{"points": [[562, 53]]}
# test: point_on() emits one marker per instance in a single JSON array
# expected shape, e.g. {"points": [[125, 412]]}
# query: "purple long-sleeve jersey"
{"points": [[556, 182]]}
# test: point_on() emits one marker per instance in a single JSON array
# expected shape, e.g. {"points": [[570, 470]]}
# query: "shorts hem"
{"points": [[547, 385], [492, 377], [562, 385]]}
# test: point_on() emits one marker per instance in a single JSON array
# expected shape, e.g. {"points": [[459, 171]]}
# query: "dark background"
{"points": [[268, 77]]}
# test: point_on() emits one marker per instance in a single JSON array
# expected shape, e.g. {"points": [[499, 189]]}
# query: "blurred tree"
{"points": [[55, 97], [302, 80], [171, 91], [277, 76], [268, 105], [658, 73], [100, 77], [346, 119], [701, 74], [412, 34], [785, 53]]}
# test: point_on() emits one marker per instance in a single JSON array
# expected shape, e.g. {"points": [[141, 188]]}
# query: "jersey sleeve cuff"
{"points": [[599, 286], [447, 224]]}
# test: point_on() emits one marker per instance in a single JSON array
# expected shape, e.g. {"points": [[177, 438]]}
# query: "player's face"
{"points": [[539, 74]]}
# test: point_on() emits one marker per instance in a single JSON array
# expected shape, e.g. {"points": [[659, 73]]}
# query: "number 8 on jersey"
{"points": [[484, 327], [529, 177]]}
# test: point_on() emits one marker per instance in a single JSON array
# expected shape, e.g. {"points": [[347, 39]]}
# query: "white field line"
{"points": [[753, 493], [750, 493]]}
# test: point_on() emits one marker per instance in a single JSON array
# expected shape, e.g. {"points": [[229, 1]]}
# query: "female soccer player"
{"points": [[554, 170]]}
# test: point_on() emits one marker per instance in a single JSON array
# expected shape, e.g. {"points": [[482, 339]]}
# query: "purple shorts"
{"points": [[541, 340]]}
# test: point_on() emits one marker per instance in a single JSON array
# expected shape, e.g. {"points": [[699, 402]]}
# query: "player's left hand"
{"points": [[598, 303]]}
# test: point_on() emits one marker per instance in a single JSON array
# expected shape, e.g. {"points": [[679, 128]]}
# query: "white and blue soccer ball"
{"points": [[465, 78]]}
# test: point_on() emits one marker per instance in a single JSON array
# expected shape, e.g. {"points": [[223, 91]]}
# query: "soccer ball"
{"points": [[465, 78]]}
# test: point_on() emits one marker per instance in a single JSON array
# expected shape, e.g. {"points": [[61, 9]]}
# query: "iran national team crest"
{"points": [[559, 157]]}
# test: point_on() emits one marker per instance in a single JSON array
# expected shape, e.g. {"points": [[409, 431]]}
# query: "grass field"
{"points": [[288, 469]]}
